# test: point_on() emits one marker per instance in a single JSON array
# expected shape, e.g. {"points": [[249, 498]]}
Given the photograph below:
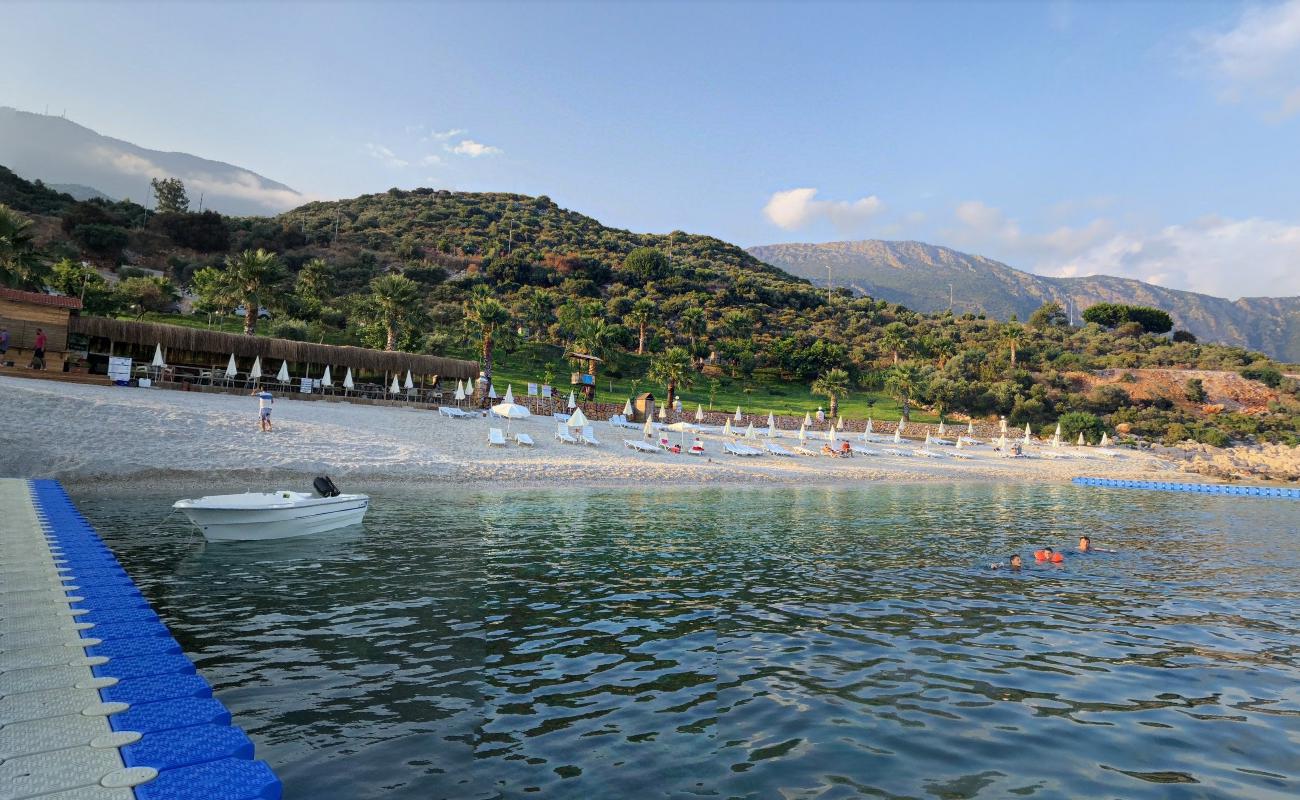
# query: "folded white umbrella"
{"points": [[572, 403], [408, 383], [578, 419], [738, 415], [699, 413], [347, 379], [326, 379], [231, 369], [283, 375], [256, 371], [396, 387], [627, 407], [158, 357]]}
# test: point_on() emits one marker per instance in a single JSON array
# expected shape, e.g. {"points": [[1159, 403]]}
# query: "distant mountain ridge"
{"points": [[62, 153], [918, 276]]}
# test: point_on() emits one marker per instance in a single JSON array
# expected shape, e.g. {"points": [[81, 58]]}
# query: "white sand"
{"points": [[84, 433]]}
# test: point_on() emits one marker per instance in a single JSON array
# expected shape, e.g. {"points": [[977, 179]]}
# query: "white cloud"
{"points": [[798, 208], [473, 149], [1223, 257], [378, 151], [1258, 59]]}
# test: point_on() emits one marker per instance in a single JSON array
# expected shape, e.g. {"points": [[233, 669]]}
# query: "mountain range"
{"points": [[930, 278], [84, 163]]}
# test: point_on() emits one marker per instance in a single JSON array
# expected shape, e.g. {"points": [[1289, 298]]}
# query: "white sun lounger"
{"points": [[741, 450], [588, 436], [777, 450], [496, 438], [524, 439], [562, 434], [640, 447]]}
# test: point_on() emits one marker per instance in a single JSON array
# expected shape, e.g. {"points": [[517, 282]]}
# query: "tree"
{"points": [[895, 338], [1049, 315], [1012, 335], [643, 313], [20, 264], [833, 385], [169, 195], [673, 368], [646, 263], [249, 279], [396, 302], [489, 314], [145, 294], [905, 381]]}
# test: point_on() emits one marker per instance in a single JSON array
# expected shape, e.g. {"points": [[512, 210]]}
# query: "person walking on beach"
{"points": [[38, 354], [264, 402]]}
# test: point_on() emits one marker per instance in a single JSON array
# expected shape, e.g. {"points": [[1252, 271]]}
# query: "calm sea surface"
{"points": [[757, 644]]}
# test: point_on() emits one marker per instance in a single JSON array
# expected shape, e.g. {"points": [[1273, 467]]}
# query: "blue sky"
{"points": [[1157, 140]]}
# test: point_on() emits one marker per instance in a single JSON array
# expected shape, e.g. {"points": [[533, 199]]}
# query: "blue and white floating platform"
{"points": [[97, 701], [1194, 488]]}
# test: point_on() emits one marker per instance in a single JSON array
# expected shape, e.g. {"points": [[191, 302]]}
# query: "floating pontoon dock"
{"points": [[97, 701]]}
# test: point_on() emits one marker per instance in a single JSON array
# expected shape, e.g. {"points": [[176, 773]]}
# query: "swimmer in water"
{"points": [[1049, 555]]}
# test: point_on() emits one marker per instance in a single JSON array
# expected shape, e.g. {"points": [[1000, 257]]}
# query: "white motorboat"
{"points": [[256, 516]]}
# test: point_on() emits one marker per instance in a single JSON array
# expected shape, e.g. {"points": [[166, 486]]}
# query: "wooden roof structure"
{"points": [[221, 344]]}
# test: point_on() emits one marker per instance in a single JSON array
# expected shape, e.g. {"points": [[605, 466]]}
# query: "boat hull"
{"points": [[260, 524]]}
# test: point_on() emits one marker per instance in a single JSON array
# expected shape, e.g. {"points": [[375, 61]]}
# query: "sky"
{"points": [[1158, 141]]}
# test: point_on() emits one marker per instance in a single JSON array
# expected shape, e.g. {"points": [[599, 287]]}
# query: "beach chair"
{"points": [[524, 440], [496, 438], [777, 450], [640, 447], [562, 434], [588, 436]]}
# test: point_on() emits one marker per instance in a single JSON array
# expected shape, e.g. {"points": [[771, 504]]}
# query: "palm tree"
{"points": [[643, 313], [248, 279], [895, 338], [673, 368], [905, 381], [490, 315], [832, 384], [1013, 334], [396, 302], [20, 265]]}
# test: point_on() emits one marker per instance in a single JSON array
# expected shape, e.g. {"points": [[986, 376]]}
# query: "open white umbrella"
{"points": [[578, 419], [157, 357], [460, 390], [749, 432], [738, 415], [326, 379], [572, 402], [408, 383], [726, 427], [699, 412], [807, 418], [283, 375], [395, 387], [256, 371], [231, 369], [663, 413], [1080, 443], [347, 380], [627, 407], [1026, 433]]}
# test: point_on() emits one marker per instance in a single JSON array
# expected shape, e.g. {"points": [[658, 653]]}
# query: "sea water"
{"points": [[783, 643]]}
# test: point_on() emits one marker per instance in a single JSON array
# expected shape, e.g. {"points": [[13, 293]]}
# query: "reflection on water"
{"points": [[785, 643]]}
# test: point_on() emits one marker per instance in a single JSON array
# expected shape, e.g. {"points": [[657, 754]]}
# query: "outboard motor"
{"points": [[325, 487]]}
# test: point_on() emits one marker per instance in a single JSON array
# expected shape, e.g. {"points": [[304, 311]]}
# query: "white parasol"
{"points": [[408, 383], [157, 357], [256, 371], [347, 379], [231, 369], [283, 375]]}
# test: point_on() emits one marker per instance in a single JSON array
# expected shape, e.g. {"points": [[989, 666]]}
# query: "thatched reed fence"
{"points": [[201, 346]]}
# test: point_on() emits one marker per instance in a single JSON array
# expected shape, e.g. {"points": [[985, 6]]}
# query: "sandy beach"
{"points": [[85, 433]]}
